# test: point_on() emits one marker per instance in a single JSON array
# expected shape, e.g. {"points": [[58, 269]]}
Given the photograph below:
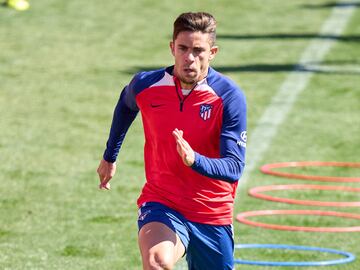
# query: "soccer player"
{"points": [[194, 121]]}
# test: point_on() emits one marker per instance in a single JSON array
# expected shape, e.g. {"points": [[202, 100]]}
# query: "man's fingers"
{"points": [[183, 147], [104, 181], [104, 185], [180, 141], [183, 144], [106, 171], [176, 133]]}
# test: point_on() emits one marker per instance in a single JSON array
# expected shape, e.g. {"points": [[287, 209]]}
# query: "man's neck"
{"points": [[188, 86]]}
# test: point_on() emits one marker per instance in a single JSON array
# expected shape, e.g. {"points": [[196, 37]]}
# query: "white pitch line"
{"points": [[260, 138]]}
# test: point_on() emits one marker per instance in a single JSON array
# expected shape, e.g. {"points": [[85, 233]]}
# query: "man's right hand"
{"points": [[106, 171]]}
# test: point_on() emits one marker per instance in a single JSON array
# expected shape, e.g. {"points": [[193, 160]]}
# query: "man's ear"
{"points": [[213, 52], [172, 47]]}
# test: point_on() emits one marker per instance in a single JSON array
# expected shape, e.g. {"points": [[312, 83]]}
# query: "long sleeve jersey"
{"points": [[213, 119]]}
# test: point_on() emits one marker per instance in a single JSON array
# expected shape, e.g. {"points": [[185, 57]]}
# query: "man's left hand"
{"points": [[183, 148]]}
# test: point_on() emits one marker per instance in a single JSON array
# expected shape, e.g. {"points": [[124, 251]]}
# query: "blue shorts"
{"points": [[207, 246]]}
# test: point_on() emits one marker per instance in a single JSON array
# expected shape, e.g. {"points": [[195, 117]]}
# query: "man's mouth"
{"points": [[189, 70]]}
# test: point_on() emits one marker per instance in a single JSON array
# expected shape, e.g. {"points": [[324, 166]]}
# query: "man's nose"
{"points": [[190, 57]]}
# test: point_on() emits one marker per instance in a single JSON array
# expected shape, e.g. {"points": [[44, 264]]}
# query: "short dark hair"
{"points": [[196, 21]]}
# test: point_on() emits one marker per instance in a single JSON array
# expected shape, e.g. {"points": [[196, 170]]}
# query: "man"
{"points": [[194, 122]]}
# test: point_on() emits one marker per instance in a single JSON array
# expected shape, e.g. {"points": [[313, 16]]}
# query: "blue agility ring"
{"points": [[348, 257]]}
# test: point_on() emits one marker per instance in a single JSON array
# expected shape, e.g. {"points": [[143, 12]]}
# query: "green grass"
{"points": [[62, 67]]}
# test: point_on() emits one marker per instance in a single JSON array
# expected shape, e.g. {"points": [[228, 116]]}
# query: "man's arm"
{"points": [[124, 114], [123, 117]]}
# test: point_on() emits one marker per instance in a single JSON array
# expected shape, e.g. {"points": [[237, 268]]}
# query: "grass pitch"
{"points": [[62, 67]]}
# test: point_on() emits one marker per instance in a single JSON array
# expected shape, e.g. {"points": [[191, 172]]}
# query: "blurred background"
{"points": [[62, 67]]}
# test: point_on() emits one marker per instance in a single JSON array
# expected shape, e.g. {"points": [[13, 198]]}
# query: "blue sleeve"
{"points": [[124, 114], [231, 163]]}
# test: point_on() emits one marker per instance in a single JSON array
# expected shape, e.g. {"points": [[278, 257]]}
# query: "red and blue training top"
{"points": [[213, 118]]}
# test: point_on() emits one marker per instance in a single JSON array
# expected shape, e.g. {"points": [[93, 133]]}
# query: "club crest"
{"points": [[243, 139], [205, 111]]}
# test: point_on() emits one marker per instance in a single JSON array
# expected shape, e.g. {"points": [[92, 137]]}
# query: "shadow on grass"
{"points": [[289, 36], [331, 5], [334, 67]]}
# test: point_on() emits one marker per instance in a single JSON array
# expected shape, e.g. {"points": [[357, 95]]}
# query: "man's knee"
{"points": [[159, 261]]}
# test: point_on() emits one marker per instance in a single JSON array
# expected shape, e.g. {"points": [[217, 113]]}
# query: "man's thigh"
{"points": [[159, 245], [162, 234]]}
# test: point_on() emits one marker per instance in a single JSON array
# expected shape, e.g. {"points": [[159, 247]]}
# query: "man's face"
{"points": [[192, 52]]}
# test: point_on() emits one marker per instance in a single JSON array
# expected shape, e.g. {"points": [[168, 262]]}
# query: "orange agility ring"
{"points": [[242, 217], [268, 169], [257, 193]]}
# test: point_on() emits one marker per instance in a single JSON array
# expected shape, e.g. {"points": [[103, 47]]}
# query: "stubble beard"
{"points": [[188, 82]]}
